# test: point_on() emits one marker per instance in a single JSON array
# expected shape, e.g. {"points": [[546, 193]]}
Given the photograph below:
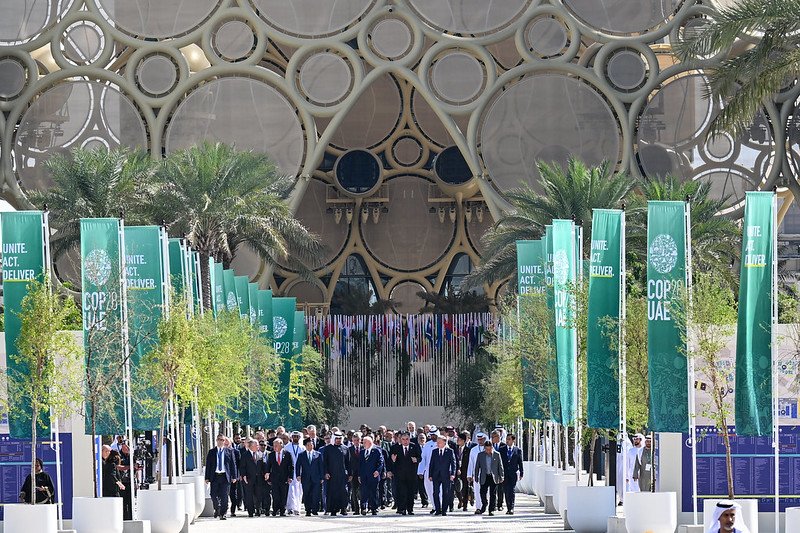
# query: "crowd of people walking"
{"points": [[276, 473]]}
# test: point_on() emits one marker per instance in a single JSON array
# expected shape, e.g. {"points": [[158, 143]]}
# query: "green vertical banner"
{"points": [[666, 356], [564, 279], [252, 301], [553, 395], [258, 414], [24, 240], [217, 287], [603, 319], [283, 313], [194, 263], [265, 313], [530, 280], [299, 339], [177, 273], [103, 333], [229, 287], [188, 276], [143, 272], [753, 390], [243, 296]]}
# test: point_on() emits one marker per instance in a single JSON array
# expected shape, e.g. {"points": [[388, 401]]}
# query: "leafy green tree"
{"points": [[50, 359], [563, 193], [94, 184], [319, 403], [222, 199], [454, 302], [760, 44]]}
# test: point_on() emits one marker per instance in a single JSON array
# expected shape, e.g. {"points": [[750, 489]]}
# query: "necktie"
{"points": [[367, 456], [441, 453], [220, 462], [405, 450], [279, 458], [309, 457], [509, 452]]}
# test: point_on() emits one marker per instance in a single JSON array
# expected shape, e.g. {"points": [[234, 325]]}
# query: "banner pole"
{"points": [[774, 351], [690, 362], [577, 411], [623, 367], [126, 355]]}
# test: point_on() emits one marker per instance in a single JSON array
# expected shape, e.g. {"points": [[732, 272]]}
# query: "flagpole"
{"points": [[126, 354], [577, 407], [774, 351], [690, 361], [623, 364]]}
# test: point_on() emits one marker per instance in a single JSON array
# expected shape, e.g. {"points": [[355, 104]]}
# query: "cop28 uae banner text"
{"points": [[144, 268], [753, 390], [24, 240], [283, 314], [602, 346], [564, 278], [666, 356], [530, 280], [553, 396], [103, 333]]}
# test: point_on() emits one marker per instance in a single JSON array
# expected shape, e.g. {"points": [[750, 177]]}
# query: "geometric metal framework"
{"points": [[403, 121]]}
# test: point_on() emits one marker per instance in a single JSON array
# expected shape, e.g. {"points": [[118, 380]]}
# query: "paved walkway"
{"points": [[529, 516]]}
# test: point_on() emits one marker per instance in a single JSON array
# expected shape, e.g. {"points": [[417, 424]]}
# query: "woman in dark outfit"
{"points": [[45, 493], [112, 482]]}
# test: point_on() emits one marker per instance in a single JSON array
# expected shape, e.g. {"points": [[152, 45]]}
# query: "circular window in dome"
{"points": [[358, 172], [451, 167]]}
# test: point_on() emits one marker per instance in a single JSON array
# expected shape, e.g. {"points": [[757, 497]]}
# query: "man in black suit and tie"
{"points": [[316, 442], [336, 464], [310, 473], [221, 472], [499, 447], [442, 472], [250, 470], [371, 468], [405, 458], [512, 466], [355, 482], [279, 476], [462, 485], [263, 488]]}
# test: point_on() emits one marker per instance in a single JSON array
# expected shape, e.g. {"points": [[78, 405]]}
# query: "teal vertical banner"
{"points": [[229, 286], [602, 342], [23, 245], [103, 333], [143, 268], [177, 264], [553, 394], [252, 302], [243, 296], [283, 314], [753, 391], [564, 280], [530, 280], [666, 355], [299, 339], [217, 287], [265, 313]]}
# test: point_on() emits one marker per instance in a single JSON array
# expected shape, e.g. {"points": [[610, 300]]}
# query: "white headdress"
{"points": [[721, 507]]}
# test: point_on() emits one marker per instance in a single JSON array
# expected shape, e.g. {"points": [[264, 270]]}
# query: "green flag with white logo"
{"points": [[283, 313], [103, 333], [530, 280], [229, 287], [144, 268], [666, 356], [553, 395], [605, 290], [753, 390], [24, 239], [217, 287], [243, 296], [252, 302], [299, 339], [564, 279], [258, 405]]}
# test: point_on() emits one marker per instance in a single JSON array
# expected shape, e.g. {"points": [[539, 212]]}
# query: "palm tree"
{"points": [[750, 75], [222, 199], [94, 183], [570, 192], [715, 239], [453, 302]]}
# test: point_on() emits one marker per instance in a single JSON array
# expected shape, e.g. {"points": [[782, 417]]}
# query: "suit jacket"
{"points": [[512, 464], [462, 461], [319, 443], [354, 459], [230, 464], [248, 467], [309, 472], [280, 473], [336, 461], [442, 464], [403, 467], [367, 466], [496, 470]]}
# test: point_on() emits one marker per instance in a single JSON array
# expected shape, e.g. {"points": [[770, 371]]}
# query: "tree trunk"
{"points": [[728, 461], [160, 442], [592, 444], [205, 279], [34, 420], [94, 453]]}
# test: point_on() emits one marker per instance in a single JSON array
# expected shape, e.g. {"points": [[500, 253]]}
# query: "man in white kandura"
{"points": [[727, 518], [634, 452], [425, 463], [295, 497]]}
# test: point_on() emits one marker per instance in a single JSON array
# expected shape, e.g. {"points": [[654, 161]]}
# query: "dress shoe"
{"points": [[436, 513], [363, 510], [444, 513], [297, 513], [250, 515], [510, 511], [222, 517], [283, 513], [374, 513], [308, 513], [411, 513], [491, 513], [274, 513], [343, 513], [233, 513], [216, 514], [478, 511], [315, 513]]}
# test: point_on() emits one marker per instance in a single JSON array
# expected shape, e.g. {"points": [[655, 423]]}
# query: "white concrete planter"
{"points": [[26, 518], [651, 512], [199, 495], [538, 473], [590, 507], [97, 515], [187, 488], [748, 516], [165, 509], [541, 478], [524, 485], [792, 520], [560, 495], [551, 480]]}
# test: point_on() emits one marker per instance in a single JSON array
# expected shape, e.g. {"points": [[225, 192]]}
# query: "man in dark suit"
{"points": [[316, 442], [442, 472], [385, 444], [310, 473], [499, 447], [336, 464], [512, 467], [221, 473], [355, 482], [236, 492], [279, 476], [249, 469], [370, 469], [263, 487], [489, 473], [462, 485], [405, 458]]}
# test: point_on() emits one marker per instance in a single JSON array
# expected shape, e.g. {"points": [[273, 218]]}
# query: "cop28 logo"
{"points": [[232, 302], [279, 327], [560, 267], [663, 253], [97, 267]]}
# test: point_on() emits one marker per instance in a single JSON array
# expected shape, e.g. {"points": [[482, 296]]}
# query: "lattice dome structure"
{"points": [[404, 122]]}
